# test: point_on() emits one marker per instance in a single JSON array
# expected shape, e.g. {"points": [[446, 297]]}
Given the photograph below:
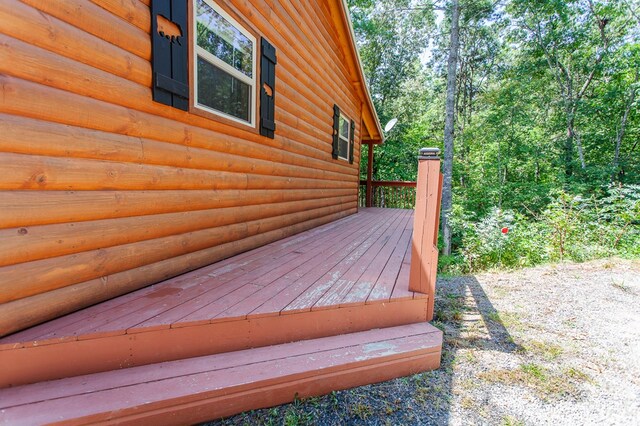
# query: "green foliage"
{"points": [[547, 121], [391, 36], [570, 228]]}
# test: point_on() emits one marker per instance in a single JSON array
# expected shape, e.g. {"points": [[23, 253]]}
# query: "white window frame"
{"points": [[348, 120], [214, 60]]}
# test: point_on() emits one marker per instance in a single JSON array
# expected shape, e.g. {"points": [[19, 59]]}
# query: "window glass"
{"points": [[343, 140], [344, 128], [223, 40], [222, 92], [224, 64], [343, 149]]}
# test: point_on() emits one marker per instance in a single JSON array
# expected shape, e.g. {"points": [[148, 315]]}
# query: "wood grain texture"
{"points": [[100, 184], [191, 391], [91, 18], [44, 306], [424, 250], [31, 278]]}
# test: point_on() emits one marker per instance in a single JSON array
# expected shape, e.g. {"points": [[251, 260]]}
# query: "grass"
{"points": [[451, 308], [511, 320], [549, 351], [546, 384], [361, 410], [620, 285], [511, 421]]}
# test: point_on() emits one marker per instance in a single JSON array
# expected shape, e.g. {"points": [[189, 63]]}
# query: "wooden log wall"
{"points": [[103, 191]]}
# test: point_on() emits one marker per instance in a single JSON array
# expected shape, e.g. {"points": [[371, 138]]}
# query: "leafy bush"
{"points": [[571, 227]]}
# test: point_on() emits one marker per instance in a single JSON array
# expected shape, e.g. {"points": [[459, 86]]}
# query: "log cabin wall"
{"points": [[104, 191]]}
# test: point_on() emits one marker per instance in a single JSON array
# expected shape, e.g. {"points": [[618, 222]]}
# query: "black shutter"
{"points": [[336, 131], [352, 135], [170, 53], [267, 89]]}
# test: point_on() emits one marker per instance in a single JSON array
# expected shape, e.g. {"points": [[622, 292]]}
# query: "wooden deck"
{"points": [[347, 276], [204, 388]]}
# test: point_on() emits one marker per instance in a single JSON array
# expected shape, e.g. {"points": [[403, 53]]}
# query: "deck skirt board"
{"points": [[272, 374]]}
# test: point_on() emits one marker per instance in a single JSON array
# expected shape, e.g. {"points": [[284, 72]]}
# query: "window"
{"points": [[343, 135], [225, 64]]}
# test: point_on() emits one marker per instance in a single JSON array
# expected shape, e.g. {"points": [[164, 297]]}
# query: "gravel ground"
{"points": [[556, 344]]}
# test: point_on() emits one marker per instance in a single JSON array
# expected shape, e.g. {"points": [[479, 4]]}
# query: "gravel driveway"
{"points": [[555, 344]]}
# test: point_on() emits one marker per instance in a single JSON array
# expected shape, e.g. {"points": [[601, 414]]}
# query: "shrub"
{"points": [[571, 227]]}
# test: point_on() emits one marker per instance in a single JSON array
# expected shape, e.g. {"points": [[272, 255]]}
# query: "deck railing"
{"points": [[389, 194]]}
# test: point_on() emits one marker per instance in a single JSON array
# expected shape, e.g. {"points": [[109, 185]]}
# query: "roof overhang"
{"points": [[371, 128]]}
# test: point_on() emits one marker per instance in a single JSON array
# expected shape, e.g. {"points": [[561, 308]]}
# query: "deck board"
{"points": [[346, 276], [198, 389], [383, 286], [343, 285], [296, 263], [222, 281], [312, 262], [315, 269], [363, 286], [313, 290], [401, 291]]}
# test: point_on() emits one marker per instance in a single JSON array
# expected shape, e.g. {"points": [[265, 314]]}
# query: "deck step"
{"points": [[204, 388]]}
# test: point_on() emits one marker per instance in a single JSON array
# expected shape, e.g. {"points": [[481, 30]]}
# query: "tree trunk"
{"points": [[568, 143], [449, 125], [623, 125], [583, 165]]}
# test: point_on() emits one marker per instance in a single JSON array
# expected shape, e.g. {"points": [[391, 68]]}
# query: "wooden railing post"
{"points": [[424, 243], [368, 195]]}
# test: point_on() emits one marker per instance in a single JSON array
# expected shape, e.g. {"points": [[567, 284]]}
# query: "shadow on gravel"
{"points": [[499, 338], [469, 320]]}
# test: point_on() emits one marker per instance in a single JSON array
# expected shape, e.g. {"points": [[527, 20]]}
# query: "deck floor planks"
{"points": [[360, 290], [282, 282], [316, 289], [296, 283], [258, 280], [255, 267], [334, 295], [155, 387], [388, 278], [401, 287], [314, 284], [349, 271], [69, 325]]}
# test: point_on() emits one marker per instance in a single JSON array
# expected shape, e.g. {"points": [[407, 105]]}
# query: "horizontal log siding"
{"points": [[103, 191]]}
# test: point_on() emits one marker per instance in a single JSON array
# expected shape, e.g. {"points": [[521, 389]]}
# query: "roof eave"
{"points": [[374, 129]]}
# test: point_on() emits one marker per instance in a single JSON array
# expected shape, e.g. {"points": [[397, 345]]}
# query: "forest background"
{"points": [[545, 150]]}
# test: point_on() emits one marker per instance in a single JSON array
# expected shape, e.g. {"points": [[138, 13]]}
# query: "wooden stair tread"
{"points": [[220, 384]]}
